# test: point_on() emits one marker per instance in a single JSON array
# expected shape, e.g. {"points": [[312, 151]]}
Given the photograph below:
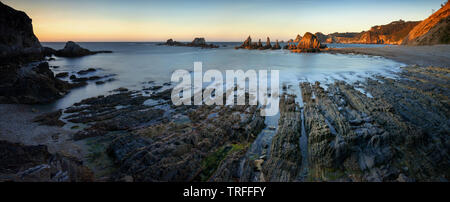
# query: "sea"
{"points": [[136, 64]]}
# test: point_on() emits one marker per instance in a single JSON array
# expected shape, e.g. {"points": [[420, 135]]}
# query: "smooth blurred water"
{"points": [[135, 63]]}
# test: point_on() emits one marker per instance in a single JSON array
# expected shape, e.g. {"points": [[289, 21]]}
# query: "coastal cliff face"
{"points": [[16, 33], [433, 30], [392, 33], [20, 83]]}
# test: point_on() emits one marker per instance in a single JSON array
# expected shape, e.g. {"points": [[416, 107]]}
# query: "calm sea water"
{"points": [[135, 63]]}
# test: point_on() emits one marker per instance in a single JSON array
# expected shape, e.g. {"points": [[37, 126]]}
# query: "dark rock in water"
{"points": [[197, 42], [62, 74], [121, 89], [82, 72], [16, 35], [51, 119], [35, 164], [71, 49], [171, 42], [260, 44], [153, 88], [30, 85]]}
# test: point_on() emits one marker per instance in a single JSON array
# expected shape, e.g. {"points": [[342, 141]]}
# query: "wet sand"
{"points": [[437, 55], [16, 125]]}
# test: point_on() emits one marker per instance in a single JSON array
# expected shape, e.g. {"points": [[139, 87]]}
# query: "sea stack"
{"points": [[268, 44], [247, 44], [277, 46], [308, 43]]}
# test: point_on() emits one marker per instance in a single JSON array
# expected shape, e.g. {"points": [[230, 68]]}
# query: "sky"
{"points": [[216, 20]]}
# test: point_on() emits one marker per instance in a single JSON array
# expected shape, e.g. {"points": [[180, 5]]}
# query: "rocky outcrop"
{"points": [[248, 44], [50, 119], [268, 44], [21, 82], [16, 35], [35, 164], [321, 37], [171, 42], [197, 42], [276, 46], [433, 30], [189, 151], [71, 49], [309, 43], [284, 161], [31, 84], [378, 133], [297, 39]]}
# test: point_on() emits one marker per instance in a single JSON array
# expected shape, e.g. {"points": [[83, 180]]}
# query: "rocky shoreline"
{"points": [[378, 129]]}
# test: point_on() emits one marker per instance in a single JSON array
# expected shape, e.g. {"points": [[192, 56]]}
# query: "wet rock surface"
{"points": [[51, 119], [398, 129], [190, 150], [284, 161], [30, 84], [35, 164]]}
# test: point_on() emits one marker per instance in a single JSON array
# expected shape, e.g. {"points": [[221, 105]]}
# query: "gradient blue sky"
{"points": [[216, 20]]}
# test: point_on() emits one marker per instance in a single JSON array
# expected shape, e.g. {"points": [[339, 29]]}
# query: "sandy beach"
{"points": [[437, 55]]}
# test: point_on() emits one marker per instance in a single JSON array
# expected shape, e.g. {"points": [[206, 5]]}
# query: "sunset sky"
{"points": [[216, 20]]}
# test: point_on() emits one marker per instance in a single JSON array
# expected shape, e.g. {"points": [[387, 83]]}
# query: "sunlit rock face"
{"points": [[298, 38], [433, 30], [309, 43], [392, 33]]}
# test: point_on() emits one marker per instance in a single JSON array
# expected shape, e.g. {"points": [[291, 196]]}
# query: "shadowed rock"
{"points": [[71, 49]]}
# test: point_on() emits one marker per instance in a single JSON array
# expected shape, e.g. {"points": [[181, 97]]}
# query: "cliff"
{"points": [[16, 34], [392, 33], [433, 30], [21, 82]]}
